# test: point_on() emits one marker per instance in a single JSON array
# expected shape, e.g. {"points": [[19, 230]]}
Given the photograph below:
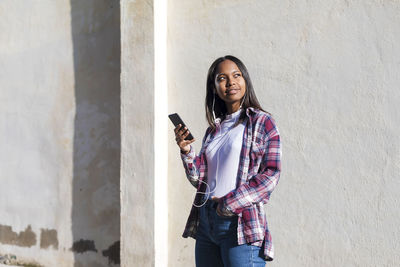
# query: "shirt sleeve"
{"points": [[259, 187], [191, 163]]}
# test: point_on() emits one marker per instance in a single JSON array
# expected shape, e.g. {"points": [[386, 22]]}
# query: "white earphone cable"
{"points": [[208, 192]]}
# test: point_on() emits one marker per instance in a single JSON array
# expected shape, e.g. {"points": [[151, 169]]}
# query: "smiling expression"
{"points": [[229, 83]]}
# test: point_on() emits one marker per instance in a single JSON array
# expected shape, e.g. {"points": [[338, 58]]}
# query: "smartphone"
{"points": [[177, 120]]}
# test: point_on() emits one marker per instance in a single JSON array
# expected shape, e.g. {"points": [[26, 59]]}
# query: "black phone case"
{"points": [[176, 119]]}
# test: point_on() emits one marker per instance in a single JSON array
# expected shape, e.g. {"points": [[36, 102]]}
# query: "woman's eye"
{"points": [[220, 78], [237, 75]]}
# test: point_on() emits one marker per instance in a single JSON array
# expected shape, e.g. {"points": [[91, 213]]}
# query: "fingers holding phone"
{"points": [[181, 133]]}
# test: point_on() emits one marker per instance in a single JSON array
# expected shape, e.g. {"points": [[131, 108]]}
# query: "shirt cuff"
{"points": [[189, 156], [229, 208]]}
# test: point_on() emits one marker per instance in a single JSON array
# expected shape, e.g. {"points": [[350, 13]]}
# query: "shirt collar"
{"points": [[250, 110]]}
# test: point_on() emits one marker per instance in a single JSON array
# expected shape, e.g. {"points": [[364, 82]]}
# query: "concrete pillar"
{"points": [[137, 134]]}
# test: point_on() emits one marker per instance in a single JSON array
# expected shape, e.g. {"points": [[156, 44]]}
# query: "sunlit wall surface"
{"points": [[328, 71]]}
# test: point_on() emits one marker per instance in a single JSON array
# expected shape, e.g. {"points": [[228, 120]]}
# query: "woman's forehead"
{"points": [[226, 67]]}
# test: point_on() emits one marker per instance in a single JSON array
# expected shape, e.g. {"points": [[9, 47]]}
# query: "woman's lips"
{"points": [[232, 91]]}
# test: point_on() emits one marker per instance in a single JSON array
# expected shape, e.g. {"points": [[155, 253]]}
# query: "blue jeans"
{"points": [[216, 242]]}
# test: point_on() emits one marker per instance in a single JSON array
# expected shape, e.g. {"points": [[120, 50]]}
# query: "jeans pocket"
{"points": [[226, 225]]}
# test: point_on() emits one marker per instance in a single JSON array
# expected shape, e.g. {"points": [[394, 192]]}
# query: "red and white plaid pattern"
{"points": [[258, 174]]}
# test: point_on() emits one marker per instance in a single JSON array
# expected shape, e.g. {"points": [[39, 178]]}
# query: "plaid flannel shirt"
{"points": [[258, 174]]}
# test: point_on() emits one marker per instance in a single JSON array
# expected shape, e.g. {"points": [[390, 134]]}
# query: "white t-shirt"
{"points": [[223, 155]]}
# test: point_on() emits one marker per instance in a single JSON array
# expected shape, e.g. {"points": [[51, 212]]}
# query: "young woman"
{"points": [[235, 172]]}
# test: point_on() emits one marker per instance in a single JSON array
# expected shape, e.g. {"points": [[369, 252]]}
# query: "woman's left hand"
{"points": [[222, 212]]}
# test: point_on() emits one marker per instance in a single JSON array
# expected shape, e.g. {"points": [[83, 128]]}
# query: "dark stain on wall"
{"points": [[25, 238], [113, 253], [82, 246], [48, 237]]}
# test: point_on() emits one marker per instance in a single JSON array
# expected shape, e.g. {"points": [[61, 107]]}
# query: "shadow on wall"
{"points": [[95, 214]]}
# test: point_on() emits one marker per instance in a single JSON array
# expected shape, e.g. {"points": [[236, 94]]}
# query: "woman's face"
{"points": [[229, 83]]}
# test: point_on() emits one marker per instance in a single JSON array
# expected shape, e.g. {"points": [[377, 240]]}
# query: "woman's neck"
{"points": [[232, 108]]}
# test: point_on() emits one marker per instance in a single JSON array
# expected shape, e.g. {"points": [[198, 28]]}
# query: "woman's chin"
{"points": [[232, 99]]}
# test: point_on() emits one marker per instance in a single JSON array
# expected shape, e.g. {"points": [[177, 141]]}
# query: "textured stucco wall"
{"points": [[137, 129], [37, 118], [60, 131], [328, 71]]}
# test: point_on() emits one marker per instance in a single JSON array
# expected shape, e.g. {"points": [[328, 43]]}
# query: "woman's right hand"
{"points": [[180, 134]]}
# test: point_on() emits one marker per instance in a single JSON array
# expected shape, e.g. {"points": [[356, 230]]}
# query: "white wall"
{"points": [[37, 114], [328, 71], [60, 132]]}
